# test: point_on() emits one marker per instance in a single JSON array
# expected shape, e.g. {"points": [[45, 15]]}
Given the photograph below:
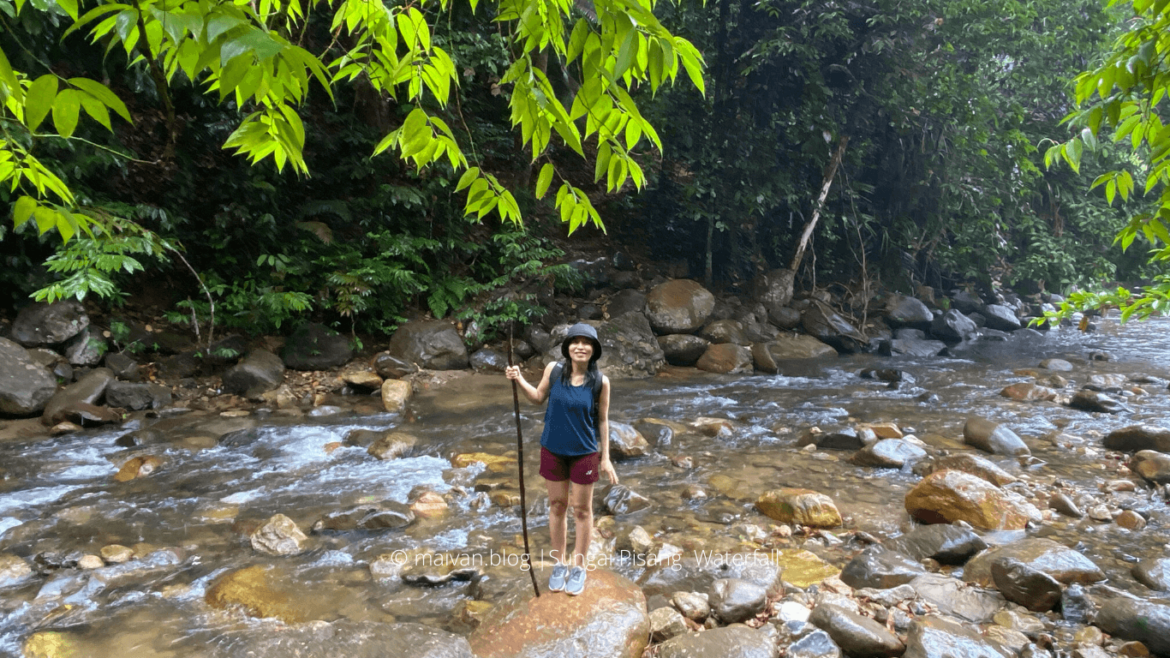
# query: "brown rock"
{"points": [[396, 394], [725, 358], [1028, 392], [1044, 555], [138, 467], [980, 467], [392, 446], [258, 592], [1130, 520], [802, 506], [948, 496], [279, 536], [429, 505], [679, 306]]}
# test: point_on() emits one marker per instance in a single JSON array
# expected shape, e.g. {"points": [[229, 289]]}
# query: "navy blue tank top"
{"points": [[569, 426]]}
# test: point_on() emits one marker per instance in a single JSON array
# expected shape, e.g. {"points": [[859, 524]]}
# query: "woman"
{"points": [[574, 449]]}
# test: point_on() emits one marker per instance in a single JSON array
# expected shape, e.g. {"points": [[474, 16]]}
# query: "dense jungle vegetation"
{"points": [[235, 153]]}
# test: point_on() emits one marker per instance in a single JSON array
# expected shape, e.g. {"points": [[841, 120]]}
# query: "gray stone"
{"points": [[1056, 365], [87, 390], [1153, 573], [736, 641], [620, 500], [923, 349], [784, 317], [386, 515], [856, 635], [488, 359], [1001, 318], [724, 331], [25, 386], [679, 306], [625, 442], [769, 356], [1097, 402], [279, 536], [49, 324], [966, 302], [1044, 555], [626, 301], [666, 623], [825, 325], [431, 345], [259, 372], [137, 396], [888, 453], [878, 568], [1035, 590], [903, 311], [1133, 438], [935, 637], [816, 644], [682, 349], [629, 348], [734, 600], [843, 438], [1152, 465], [123, 367], [689, 574], [773, 289], [990, 436], [314, 346], [948, 544], [953, 597], [1136, 620], [85, 349], [953, 326]]}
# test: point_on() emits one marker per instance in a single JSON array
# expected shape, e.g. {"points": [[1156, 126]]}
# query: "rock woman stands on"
{"points": [[574, 449]]}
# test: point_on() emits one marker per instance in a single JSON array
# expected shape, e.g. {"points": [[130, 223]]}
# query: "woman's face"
{"points": [[581, 349]]}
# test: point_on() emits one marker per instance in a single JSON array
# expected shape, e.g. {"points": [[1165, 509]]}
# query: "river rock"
{"points": [[980, 467], [856, 635], [123, 367], [25, 386], [86, 391], [608, 620], [279, 536], [914, 347], [488, 359], [84, 349], [136, 397], [666, 623], [625, 301], [49, 324], [948, 496], [992, 437], [257, 373], [1028, 392], [1152, 465], [396, 393], [802, 506], [679, 306], [947, 544], [724, 331], [691, 605], [697, 572], [620, 500], [953, 326], [733, 600], [888, 453], [389, 366], [773, 289], [958, 599], [1097, 402], [1056, 365], [784, 317], [625, 442], [786, 347], [1035, 590], [966, 301], [902, 311], [392, 446], [432, 345], [1133, 619], [361, 375], [347, 639], [816, 644], [844, 438], [13, 570], [314, 346], [682, 349], [1001, 318], [1134, 438], [825, 325], [629, 348], [1044, 555], [936, 637], [725, 358], [879, 568], [736, 641], [259, 592], [1153, 573], [385, 515]]}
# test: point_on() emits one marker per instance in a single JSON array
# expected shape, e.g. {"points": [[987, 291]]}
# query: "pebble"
{"points": [[1089, 635], [90, 562], [1130, 520], [1100, 513], [117, 554]]}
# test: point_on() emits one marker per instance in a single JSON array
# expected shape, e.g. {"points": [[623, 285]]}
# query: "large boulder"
{"points": [[679, 307], [980, 467], [827, 326], [1023, 585], [682, 349], [990, 436], [85, 349], [915, 347], [49, 324], [433, 345], [784, 317], [314, 346], [769, 356], [1133, 438], [25, 386], [948, 544], [948, 496], [903, 311], [628, 347], [773, 289], [137, 396], [86, 391], [966, 302], [625, 301], [608, 620], [1044, 555], [1151, 572], [259, 372], [801, 506], [1152, 465], [860, 637], [725, 358], [953, 326], [725, 331], [936, 637], [878, 568], [1136, 620], [735, 641], [1001, 318]]}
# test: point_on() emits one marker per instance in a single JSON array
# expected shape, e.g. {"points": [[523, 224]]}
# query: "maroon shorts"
{"points": [[579, 469]]}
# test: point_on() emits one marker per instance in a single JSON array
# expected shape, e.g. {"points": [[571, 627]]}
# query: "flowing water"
{"points": [[189, 520]]}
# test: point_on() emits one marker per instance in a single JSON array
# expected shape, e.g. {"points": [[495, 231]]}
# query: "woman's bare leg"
{"points": [[581, 500], [558, 523]]}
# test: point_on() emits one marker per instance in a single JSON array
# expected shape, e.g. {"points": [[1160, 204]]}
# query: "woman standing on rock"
{"points": [[574, 449]]}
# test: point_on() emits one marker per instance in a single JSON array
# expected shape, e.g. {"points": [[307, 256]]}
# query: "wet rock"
{"points": [[948, 496], [691, 605], [1133, 619], [279, 536], [1028, 392], [1134, 438], [1153, 573], [1130, 520], [948, 544], [773, 289], [1056, 365], [955, 598], [13, 570], [679, 306], [733, 600], [1097, 402], [136, 397], [392, 446], [886, 375], [666, 623], [48, 324], [682, 349], [953, 326], [879, 568], [382, 516], [389, 366], [138, 467], [769, 356], [888, 453], [259, 592], [88, 390], [935, 637], [84, 349], [816, 644], [901, 311], [25, 386], [626, 301], [1152, 465], [259, 372], [822, 323], [992, 437], [625, 442], [117, 554], [856, 635], [64, 427], [180, 366], [123, 367], [888, 597], [1035, 590], [1044, 555], [620, 500], [396, 393], [608, 620], [802, 506], [844, 438], [1063, 504], [314, 346], [488, 359], [728, 642], [724, 331], [921, 348], [980, 467], [429, 505], [629, 348], [1001, 318], [361, 375], [349, 639], [52, 644], [725, 358], [691, 574], [784, 317]]}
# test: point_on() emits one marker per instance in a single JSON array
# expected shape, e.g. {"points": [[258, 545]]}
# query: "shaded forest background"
{"points": [[946, 105]]}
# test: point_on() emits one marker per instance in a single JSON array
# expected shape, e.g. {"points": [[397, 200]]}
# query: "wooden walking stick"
{"points": [[520, 465]]}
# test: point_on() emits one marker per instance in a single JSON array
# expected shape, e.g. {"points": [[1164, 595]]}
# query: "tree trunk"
{"points": [[816, 215]]}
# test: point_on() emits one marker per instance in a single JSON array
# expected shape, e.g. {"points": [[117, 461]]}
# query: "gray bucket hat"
{"points": [[581, 330]]}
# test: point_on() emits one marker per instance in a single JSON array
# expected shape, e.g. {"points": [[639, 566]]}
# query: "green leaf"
{"points": [[39, 100], [544, 180], [103, 94], [467, 178], [65, 111], [23, 209]]}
